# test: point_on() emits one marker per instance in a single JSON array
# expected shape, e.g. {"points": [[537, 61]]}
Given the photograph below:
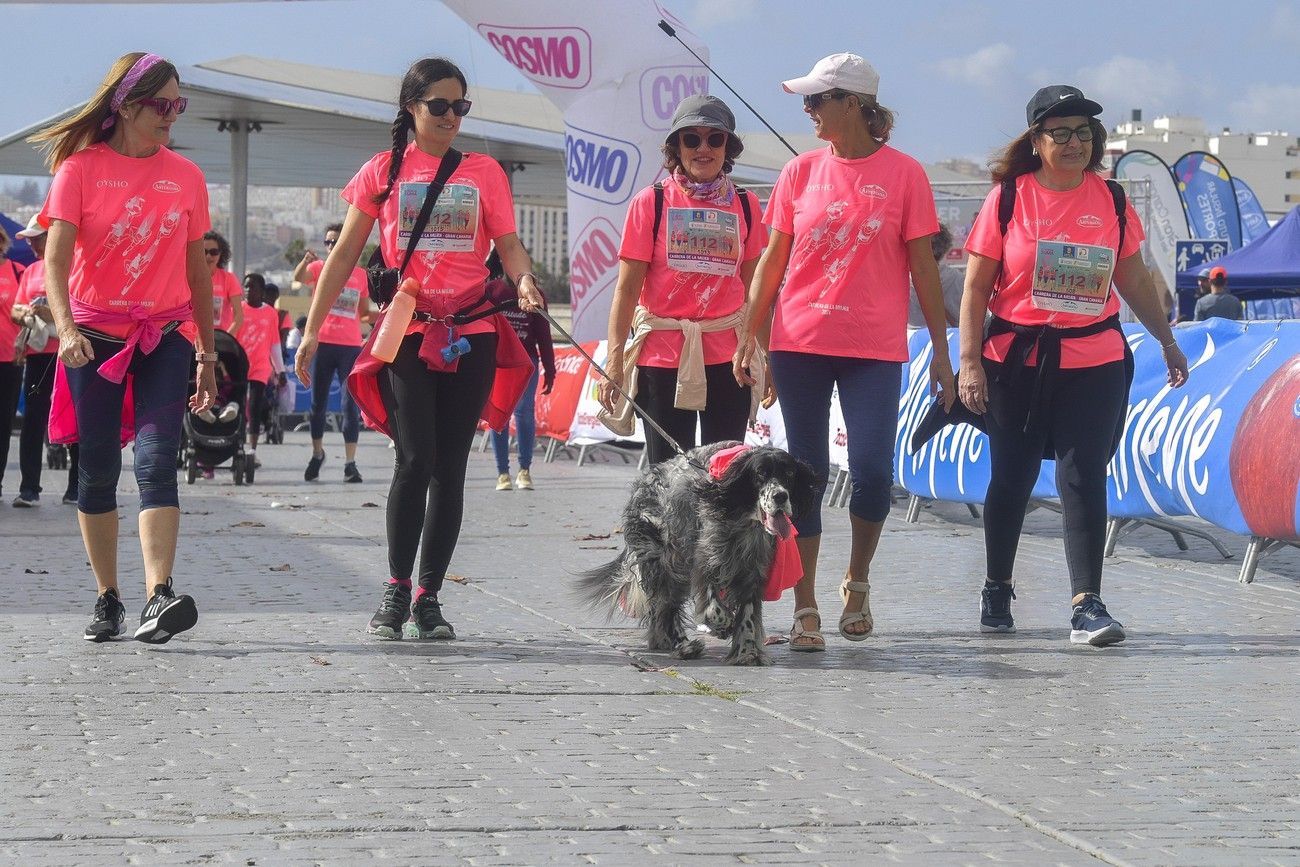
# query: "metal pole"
{"points": [[238, 196]]}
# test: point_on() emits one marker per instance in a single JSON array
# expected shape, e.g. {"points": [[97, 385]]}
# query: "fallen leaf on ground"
{"points": [[591, 537], [776, 639], [248, 524], [459, 579], [320, 660], [37, 571], [283, 567], [370, 505], [641, 666]]}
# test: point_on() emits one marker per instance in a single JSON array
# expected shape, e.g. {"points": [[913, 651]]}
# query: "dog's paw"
{"points": [[691, 648], [750, 655], [718, 619]]}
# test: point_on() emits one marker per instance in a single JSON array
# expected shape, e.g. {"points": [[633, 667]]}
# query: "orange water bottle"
{"points": [[396, 318]]}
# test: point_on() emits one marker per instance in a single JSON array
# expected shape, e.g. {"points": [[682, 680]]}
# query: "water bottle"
{"points": [[396, 318]]}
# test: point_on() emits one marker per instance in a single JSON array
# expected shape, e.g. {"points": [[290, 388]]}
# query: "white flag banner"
{"points": [[617, 78], [1167, 223]]}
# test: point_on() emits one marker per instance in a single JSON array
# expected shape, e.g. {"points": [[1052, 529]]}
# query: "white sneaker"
{"points": [[503, 482], [524, 481], [228, 412], [207, 416]]}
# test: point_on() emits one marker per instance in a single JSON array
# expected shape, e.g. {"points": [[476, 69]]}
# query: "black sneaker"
{"points": [[313, 467], [107, 620], [393, 612], [1092, 624], [427, 621], [350, 473], [995, 607], [165, 615]]}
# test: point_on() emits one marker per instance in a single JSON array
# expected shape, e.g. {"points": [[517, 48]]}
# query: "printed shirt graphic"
{"points": [[449, 279], [226, 293], [33, 286], [683, 280], [1084, 215], [260, 336], [10, 274], [847, 284], [134, 218], [342, 324]]}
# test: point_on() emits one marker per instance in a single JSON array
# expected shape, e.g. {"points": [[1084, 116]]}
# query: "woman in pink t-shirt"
{"points": [[127, 284], [1054, 351], [690, 244], [850, 224], [11, 373], [227, 292], [429, 401]]}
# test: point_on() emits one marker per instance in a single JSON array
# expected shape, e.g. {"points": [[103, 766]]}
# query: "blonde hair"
{"points": [[64, 138]]}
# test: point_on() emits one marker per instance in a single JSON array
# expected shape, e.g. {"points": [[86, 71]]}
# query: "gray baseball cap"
{"points": [[702, 110]]}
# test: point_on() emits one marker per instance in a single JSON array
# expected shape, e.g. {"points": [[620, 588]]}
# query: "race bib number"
{"points": [[703, 241], [347, 303], [1072, 278], [452, 223]]}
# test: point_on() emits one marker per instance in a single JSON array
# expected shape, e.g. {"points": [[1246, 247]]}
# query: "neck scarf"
{"points": [[719, 191]]}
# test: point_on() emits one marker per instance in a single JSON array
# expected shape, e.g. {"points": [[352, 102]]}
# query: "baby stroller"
{"points": [[272, 426], [212, 443]]}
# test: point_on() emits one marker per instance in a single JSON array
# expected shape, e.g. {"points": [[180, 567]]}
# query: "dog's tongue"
{"points": [[777, 524]]}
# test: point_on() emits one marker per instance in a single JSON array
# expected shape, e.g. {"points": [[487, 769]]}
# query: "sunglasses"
{"points": [[164, 106], [330, 242], [213, 251], [692, 140], [1061, 134], [438, 107], [813, 100]]}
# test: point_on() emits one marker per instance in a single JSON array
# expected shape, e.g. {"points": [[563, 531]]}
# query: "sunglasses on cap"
{"points": [[164, 106], [692, 140], [438, 107], [813, 100]]}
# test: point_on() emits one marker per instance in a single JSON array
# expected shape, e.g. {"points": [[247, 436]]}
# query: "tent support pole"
{"points": [[239, 196]]}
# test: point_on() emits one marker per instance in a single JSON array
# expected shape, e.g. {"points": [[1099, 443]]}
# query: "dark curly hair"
{"points": [[673, 159], [222, 244]]}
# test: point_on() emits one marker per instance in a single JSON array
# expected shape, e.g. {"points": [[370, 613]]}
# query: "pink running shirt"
{"points": [[474, 209], [226, 293], [342, 324], [1084, 215], [135, 218], [33, 286], [848, 279], [696, 236], [10, 276], [260, 336]]}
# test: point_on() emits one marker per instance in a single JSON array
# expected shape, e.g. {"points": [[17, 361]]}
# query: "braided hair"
{"points": [[418, 79]]}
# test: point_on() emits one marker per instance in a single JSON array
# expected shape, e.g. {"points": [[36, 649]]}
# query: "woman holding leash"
{"points": [[430, 397], [849, 224], [1051, 354], [128, 286], [690, 245]]}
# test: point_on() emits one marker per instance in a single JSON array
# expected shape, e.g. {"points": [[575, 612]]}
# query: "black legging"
{"points": [[11, 384], [38, 385], [255, 406], [1081, 416], [725, 417], [433, 417]]}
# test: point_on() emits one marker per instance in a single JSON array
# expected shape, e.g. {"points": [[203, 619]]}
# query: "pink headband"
{"points": [[133, 76]]}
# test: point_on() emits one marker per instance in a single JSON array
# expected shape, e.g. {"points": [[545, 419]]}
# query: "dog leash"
{"points": [[635, 406]]}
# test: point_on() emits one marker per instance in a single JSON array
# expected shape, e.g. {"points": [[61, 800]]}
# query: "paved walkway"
{"points": [[277, 732]]}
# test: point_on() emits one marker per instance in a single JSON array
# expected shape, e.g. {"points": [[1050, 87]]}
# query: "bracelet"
{"points": [[205, 357], [1169, 344], [520, 278]]}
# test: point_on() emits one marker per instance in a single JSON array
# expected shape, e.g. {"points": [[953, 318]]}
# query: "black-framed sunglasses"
{"points": [[330, 242], [692, 140], [438, 107], [211, 251], [1061, 134], [813, 100], [164, 106]]}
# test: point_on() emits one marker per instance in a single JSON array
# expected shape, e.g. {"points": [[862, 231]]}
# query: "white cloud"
{"points": [[1284, 26], [712, 13], [1122, 83], [984, 67], [1267, 107]]}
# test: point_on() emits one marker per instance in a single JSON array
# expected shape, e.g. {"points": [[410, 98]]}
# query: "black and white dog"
{"points": [[688, 534]]}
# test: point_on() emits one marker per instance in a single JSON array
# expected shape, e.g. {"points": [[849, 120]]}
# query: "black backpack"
{"points": [[1007, 206], [659, 214]]}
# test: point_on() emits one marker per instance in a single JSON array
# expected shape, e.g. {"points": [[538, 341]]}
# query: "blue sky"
{"points": [[958, 74]]}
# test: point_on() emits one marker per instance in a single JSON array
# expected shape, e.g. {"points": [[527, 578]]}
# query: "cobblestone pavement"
{"points": [[277, 732]]}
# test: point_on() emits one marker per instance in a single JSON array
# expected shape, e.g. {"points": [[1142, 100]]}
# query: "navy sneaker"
{"points": [[427, 621], [393, 611], [350, 473], [1092, 624], [106, 622], [313, 467], [165, 615], [995, 607]]}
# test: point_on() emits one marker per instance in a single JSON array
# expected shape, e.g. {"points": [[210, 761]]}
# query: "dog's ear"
{"points": [[736, 490], [805, 489]]}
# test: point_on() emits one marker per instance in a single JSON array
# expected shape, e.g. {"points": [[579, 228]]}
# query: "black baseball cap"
{"points": [[1059, 100]]}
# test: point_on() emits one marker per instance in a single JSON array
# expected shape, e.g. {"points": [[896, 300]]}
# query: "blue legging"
{"points": [[333, 360], [869, 391], [525, 429], [159, 386]]}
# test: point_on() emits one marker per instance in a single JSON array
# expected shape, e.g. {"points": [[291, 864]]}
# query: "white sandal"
{"points": [[818, 644], [862, 615]]}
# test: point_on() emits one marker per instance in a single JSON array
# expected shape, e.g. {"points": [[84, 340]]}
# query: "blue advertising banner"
{"points": [[1208, 196], [1253, 221], [1225, 447]]}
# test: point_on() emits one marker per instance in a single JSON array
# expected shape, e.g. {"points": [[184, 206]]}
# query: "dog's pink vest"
{"points": [[787, 568]]}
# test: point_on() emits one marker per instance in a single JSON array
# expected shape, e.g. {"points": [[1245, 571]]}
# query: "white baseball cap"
{"points": [[33, 229], [841, 71]]}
